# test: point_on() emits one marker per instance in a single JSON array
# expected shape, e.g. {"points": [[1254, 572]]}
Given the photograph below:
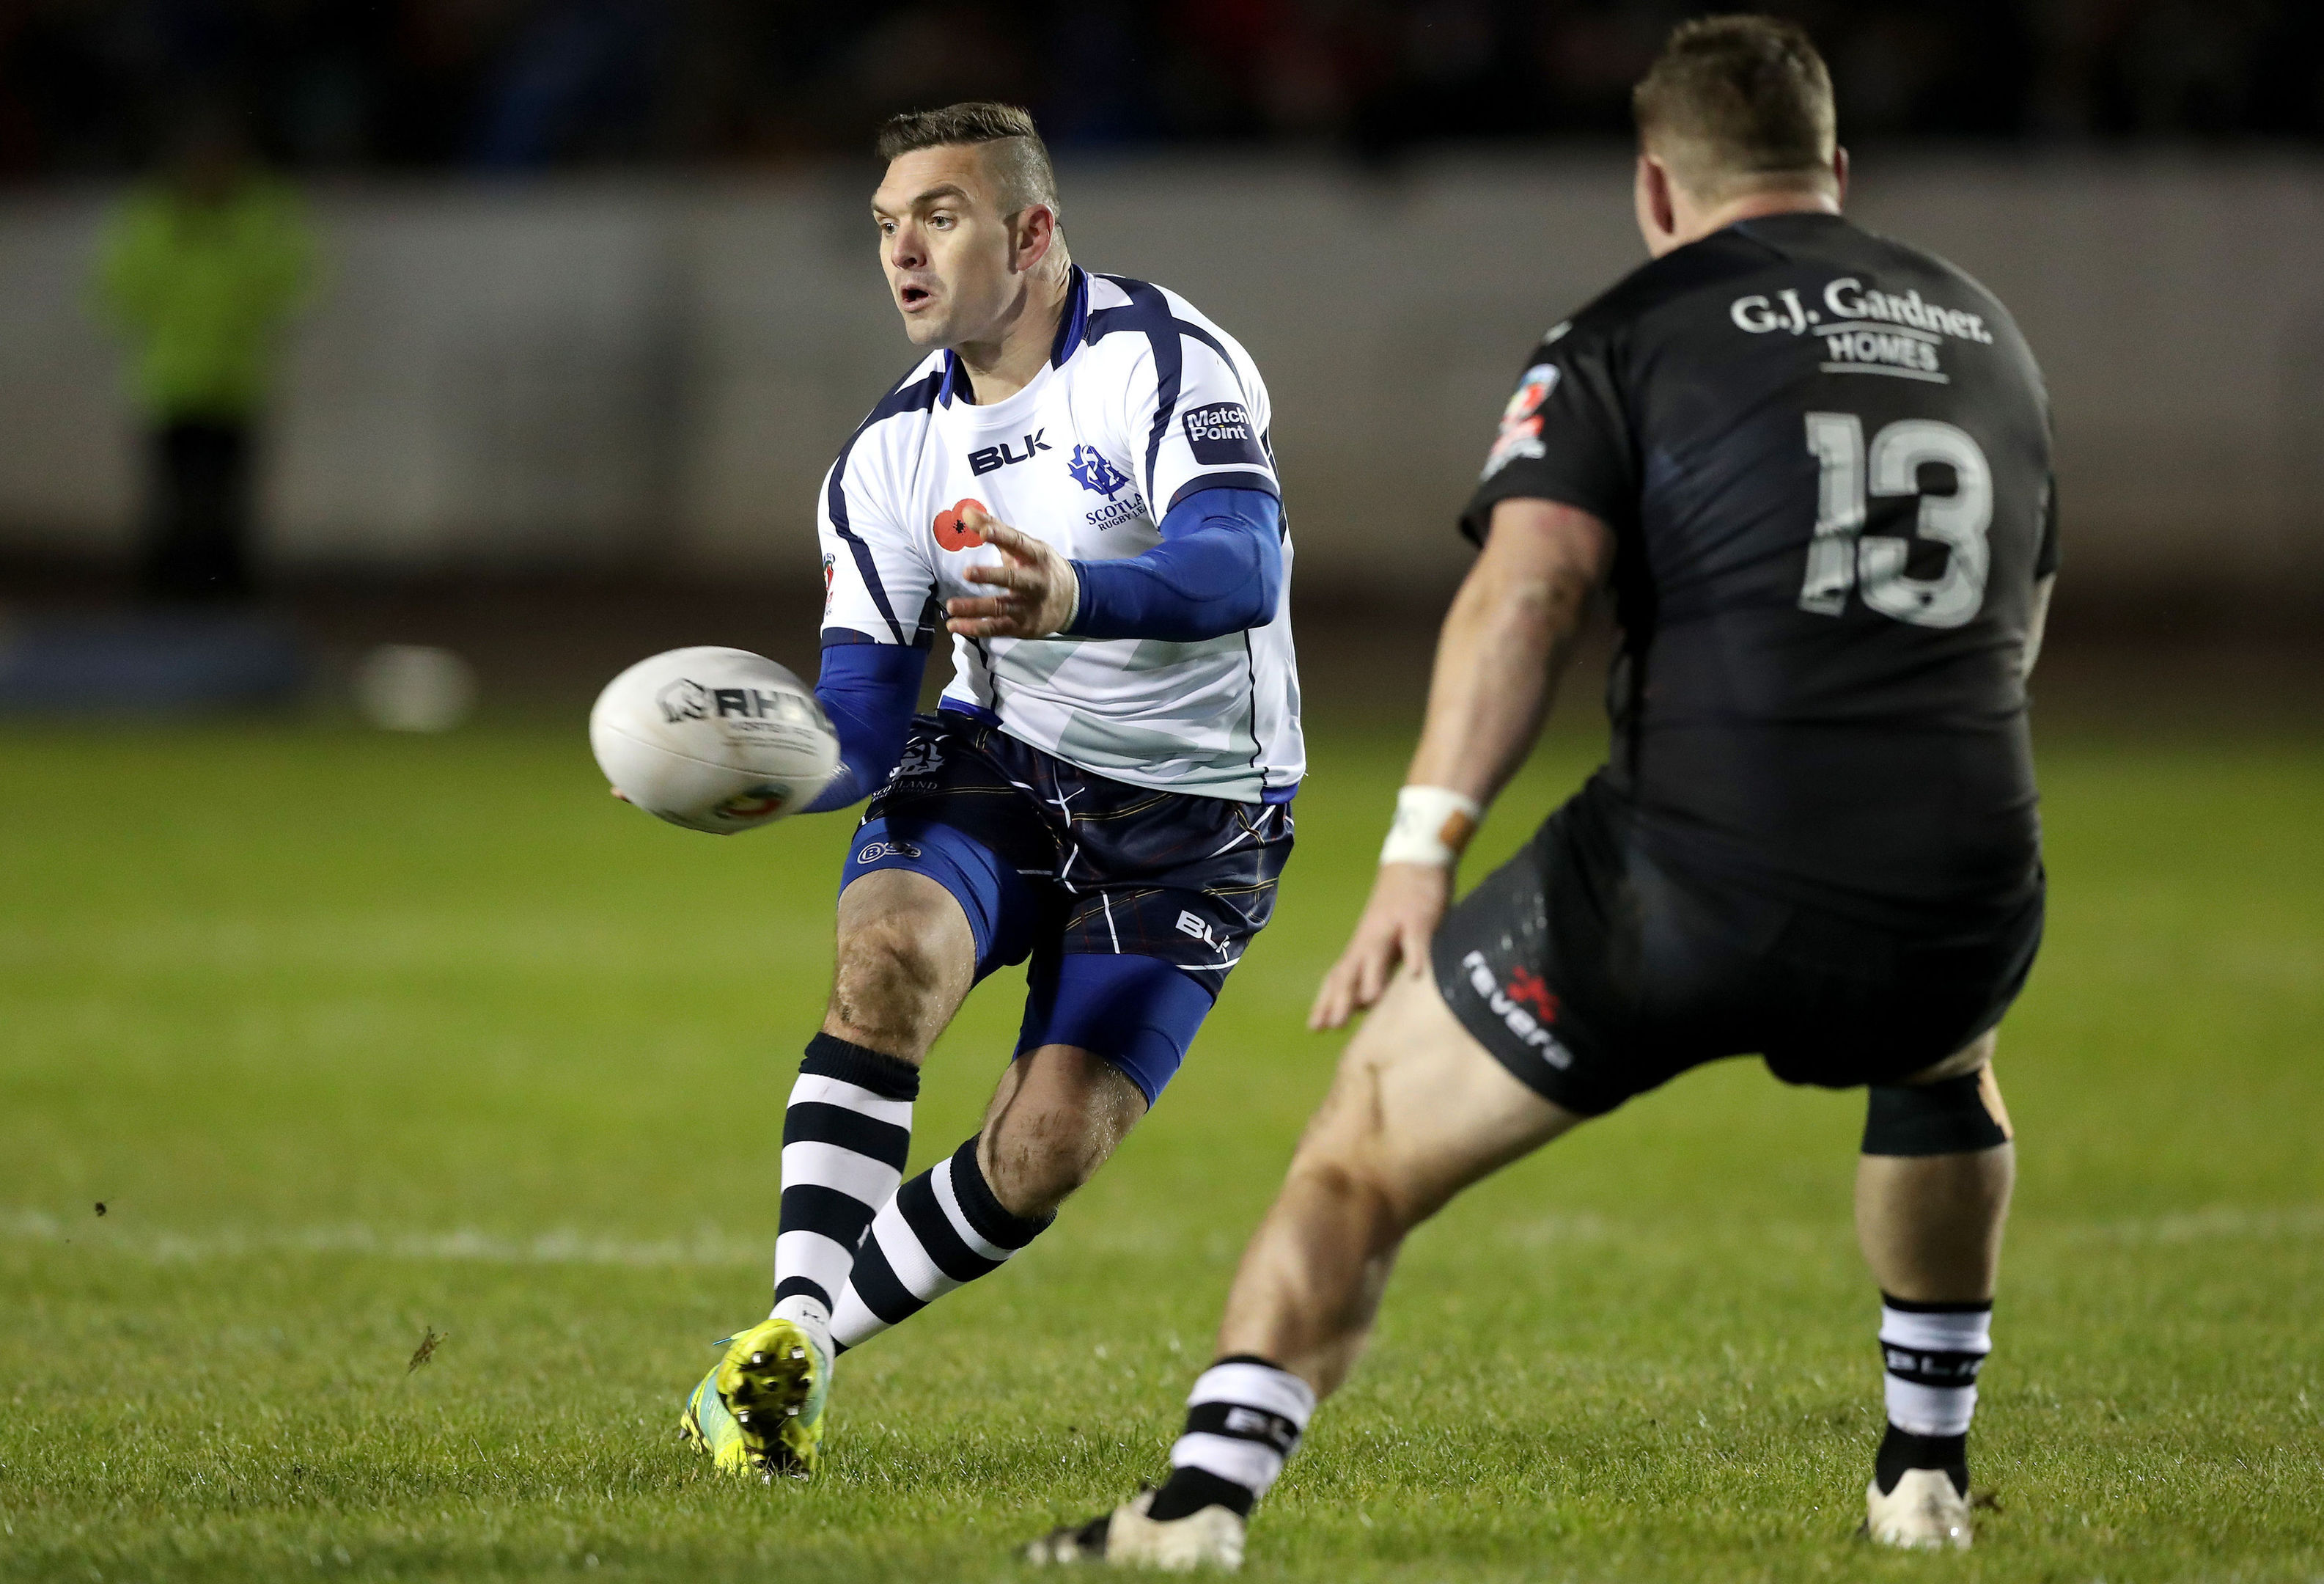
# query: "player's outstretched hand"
{"points": [[1037, 588], [1407, 902]]}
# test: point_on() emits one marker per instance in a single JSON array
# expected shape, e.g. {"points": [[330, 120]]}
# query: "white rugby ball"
{"points": [[719, 740]]}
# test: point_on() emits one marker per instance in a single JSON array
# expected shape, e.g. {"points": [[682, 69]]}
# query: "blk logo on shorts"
{"points": [[1190, 924]]}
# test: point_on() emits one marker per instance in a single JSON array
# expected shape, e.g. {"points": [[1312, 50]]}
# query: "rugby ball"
{"points": [[719, 740]]}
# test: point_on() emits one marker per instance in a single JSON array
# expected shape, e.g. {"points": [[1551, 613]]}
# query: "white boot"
{"points": [[1923, 1513], [1126, 1537]]}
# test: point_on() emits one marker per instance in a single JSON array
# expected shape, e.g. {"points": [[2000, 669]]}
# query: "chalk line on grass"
{"points": [[712, 1248], [564, 1246]]}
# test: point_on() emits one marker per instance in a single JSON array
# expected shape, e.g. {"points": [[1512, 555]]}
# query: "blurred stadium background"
{"points": [[591, 299], [360, 1035]]}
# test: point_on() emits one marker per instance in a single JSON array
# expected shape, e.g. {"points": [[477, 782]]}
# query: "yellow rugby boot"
{"points": [[704, 1421], [761, 1410]]}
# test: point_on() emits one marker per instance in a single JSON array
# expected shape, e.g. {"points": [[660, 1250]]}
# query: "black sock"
{"points": [[1189, 1491], [1901, 1451], [846, 1134], [944, 1228]]}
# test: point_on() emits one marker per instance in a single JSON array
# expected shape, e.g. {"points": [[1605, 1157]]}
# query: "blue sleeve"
{"points": [[1218, 569], [869, 691]]}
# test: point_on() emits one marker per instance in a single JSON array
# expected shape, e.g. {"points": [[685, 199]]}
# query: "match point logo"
{"points": [[1093, 473], [1221, 433], [948, 530]]}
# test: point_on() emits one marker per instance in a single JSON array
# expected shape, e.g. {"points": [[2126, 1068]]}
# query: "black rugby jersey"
{"points": [[1824, 457]]}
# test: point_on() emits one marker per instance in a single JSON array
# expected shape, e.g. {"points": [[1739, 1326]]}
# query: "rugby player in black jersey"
{"points": [[1813, 465]]}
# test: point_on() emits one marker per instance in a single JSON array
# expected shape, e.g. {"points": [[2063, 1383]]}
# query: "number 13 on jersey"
{"points": [[1842, 556]]}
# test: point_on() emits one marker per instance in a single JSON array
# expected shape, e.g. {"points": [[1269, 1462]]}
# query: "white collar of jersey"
{"points": [[1072, 329]]}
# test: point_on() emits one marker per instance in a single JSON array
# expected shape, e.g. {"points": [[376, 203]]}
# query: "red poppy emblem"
{"points": [[950, 534]]}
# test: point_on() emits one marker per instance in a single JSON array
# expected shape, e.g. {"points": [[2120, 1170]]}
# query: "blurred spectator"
{"points": [[530, 84], [200, 269]]}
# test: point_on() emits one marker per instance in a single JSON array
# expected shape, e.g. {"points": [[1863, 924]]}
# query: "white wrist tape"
{"points": [[1432, 824]]}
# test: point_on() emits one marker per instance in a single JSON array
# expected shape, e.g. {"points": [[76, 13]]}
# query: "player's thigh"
{"points": [[1419, 1109]]}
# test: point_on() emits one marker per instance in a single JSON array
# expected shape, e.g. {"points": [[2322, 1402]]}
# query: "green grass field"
{"points": [[357, 1037]]}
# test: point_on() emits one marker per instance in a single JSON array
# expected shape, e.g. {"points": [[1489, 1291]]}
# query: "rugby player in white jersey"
{"points": [[1076, 485]]}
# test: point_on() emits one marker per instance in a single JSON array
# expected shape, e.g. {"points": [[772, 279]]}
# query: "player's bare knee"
{"points": [[1051, 1131], [1347, 1154], [893, 985]]}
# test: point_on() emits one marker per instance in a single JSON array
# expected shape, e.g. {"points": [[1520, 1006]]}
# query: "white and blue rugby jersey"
{"points": [[1143, 403]]}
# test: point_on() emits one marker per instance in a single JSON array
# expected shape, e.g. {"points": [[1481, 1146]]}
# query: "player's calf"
{"points": [[1418, 1111], [1057, 1118], [1932, 1190], [904, 963]]}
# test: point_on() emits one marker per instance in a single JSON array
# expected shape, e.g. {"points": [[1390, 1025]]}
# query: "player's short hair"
{"points": [[1739, 102], [1018, 161]]}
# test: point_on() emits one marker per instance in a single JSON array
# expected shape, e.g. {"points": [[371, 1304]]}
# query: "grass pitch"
{"points": [[359, 1039]]}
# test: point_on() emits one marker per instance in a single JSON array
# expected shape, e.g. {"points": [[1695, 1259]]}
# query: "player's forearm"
{"points": [[1218, 569], [869, 691]]}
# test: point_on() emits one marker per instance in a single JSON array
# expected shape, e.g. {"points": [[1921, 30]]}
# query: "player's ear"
{"points": [[1657, 215], [1037, 233]]}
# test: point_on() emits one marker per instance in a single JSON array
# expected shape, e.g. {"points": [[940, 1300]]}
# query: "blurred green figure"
{"points": [[201, 269]]}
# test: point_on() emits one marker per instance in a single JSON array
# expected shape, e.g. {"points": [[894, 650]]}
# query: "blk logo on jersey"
{"points": [[993, 459], [1093, 473], [1222, 433], [951, 533]]}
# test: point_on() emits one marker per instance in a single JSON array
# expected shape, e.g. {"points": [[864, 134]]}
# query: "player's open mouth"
{"points": [[913, 296]]}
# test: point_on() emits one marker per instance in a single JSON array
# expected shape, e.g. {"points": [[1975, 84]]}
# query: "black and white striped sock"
{"points": [[847, 1133], [942, 1230], [1244, 1418], [1931, 1353]]}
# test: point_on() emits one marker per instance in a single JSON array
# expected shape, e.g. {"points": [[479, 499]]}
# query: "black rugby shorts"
{"points": [[1593, 973]]}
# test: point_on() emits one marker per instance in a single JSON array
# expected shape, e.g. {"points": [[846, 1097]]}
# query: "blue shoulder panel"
{"points": [[915, 396]]}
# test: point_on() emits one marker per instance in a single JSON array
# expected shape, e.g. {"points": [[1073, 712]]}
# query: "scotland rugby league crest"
{"points": [[1093, 473]]}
